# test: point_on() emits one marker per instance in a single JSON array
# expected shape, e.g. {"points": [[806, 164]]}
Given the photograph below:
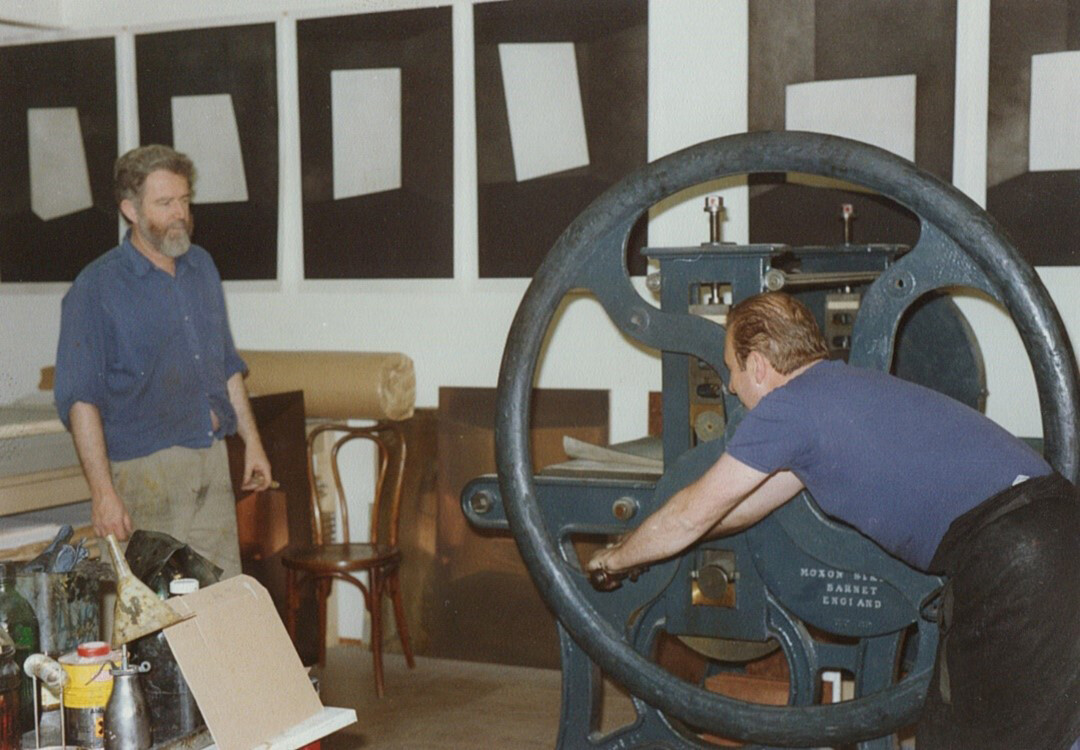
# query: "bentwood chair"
{"points": [[324, 560]]}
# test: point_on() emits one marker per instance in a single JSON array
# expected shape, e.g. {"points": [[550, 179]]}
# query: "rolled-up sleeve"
{"points": [[773, 435], [233, 362], [80, 353]]}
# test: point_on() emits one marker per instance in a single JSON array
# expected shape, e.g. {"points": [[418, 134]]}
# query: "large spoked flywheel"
{"points": [[959, 245]]}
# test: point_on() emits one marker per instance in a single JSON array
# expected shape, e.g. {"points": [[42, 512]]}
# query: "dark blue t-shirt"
{"points": [[151, 351], [895, 460]]}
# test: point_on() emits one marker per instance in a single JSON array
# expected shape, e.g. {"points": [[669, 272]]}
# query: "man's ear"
{"points": [[127, 208], [758, 366]]}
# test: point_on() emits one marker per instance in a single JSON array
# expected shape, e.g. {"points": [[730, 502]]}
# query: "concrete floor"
{"points": [[451, 705], [442, 705]]}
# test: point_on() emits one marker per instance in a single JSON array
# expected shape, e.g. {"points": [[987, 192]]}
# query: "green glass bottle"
{"points": [[17, 617], [10, 682]]}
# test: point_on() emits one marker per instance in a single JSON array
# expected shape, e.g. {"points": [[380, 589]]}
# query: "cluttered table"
{"points": [[307, 732], [207, 665]]}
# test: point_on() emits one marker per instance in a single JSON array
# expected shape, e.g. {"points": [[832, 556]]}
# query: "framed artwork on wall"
{"points": [[377, 145], [561, 115], [58, 116], [877, 71], [212, 94], [1033, 130]]}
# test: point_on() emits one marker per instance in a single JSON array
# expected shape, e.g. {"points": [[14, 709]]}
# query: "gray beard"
{"points": [[175, 246], [168, 244]]}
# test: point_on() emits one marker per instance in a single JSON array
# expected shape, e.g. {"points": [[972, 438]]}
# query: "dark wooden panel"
{"points": [[418, 530], [280, 419], [482, 604]]}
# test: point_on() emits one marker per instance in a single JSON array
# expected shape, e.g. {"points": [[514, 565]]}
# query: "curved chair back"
{"points": [[386, 505]]}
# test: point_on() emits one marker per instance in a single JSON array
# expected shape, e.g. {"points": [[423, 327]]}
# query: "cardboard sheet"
{"points": [[240, 664]]}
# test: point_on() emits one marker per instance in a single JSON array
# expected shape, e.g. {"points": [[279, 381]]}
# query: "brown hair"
{"points": [[778, 326], [135, 166]]}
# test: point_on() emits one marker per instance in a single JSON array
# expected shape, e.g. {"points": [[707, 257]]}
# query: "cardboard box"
{"points": [[241, 666]]}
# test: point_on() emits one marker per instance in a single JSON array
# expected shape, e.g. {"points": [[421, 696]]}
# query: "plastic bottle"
{"points": [[17, 617], [172, 708]]}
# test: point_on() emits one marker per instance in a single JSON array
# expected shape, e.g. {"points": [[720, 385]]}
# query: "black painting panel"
{"points": [[849, 39], [80, 74], [1037, 209], [234, 60], [520, 221], [402, 233]]}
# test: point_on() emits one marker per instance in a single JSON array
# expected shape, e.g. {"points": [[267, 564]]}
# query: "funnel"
{"points": [[138, 610]]}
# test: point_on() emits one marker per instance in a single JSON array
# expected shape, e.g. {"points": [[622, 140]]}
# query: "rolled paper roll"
{"points": [[337, 385]]}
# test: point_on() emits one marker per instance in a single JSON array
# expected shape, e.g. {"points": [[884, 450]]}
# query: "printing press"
{"points": [[825, 596]]}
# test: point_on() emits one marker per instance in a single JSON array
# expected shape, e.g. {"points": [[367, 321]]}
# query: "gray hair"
{"points": [[135, 166]]}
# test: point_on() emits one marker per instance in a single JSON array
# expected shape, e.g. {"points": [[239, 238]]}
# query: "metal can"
{"points": [[87, 692]]}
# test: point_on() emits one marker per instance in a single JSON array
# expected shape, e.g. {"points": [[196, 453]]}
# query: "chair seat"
{"points": [[340, 557]]}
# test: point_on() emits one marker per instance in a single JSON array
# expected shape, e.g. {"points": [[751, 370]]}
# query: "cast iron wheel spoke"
{"points": [[939, 206], [796, 643], [605, 276], [936, 262]]}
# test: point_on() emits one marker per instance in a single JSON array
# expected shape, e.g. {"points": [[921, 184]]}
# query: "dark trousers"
{"points": [[1008, 667]]}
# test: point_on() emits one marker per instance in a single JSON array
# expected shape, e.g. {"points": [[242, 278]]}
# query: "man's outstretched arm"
{"points": [[728, 497]]}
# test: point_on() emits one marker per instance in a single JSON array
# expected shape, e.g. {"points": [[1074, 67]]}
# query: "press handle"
{"points": [[606, 580]]}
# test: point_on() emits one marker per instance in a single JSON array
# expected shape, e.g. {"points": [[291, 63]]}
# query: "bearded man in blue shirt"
{"points": [[934, 483], [147, 377]]}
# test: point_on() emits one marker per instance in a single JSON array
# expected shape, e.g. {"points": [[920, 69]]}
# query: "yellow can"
{"points": [[89, 682], [87, 693]]}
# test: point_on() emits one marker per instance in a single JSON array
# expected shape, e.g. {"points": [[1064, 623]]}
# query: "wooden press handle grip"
{"points": [[606, 580]]}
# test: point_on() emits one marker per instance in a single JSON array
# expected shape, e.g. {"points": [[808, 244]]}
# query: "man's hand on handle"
{"points": [[109, 516], [604, 572]]}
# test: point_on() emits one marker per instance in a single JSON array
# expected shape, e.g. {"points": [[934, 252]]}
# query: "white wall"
{"points": [[40, 13], [454, 329]]}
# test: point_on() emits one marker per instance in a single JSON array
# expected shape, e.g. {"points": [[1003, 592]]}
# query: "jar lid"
{"points": [[179, 586], [93, 648]]}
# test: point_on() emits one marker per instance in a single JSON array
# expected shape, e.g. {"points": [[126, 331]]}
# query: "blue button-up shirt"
{"points": [[151, 351]]}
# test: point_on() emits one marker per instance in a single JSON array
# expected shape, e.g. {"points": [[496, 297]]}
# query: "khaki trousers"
{"points": [[186, 493]]}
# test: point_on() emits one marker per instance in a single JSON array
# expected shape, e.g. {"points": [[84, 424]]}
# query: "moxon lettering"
{"points": [[833, 574], [820, 573]]}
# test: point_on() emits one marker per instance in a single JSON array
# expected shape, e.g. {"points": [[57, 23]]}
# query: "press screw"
{"points": [[481, 502], [624, 508]]}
